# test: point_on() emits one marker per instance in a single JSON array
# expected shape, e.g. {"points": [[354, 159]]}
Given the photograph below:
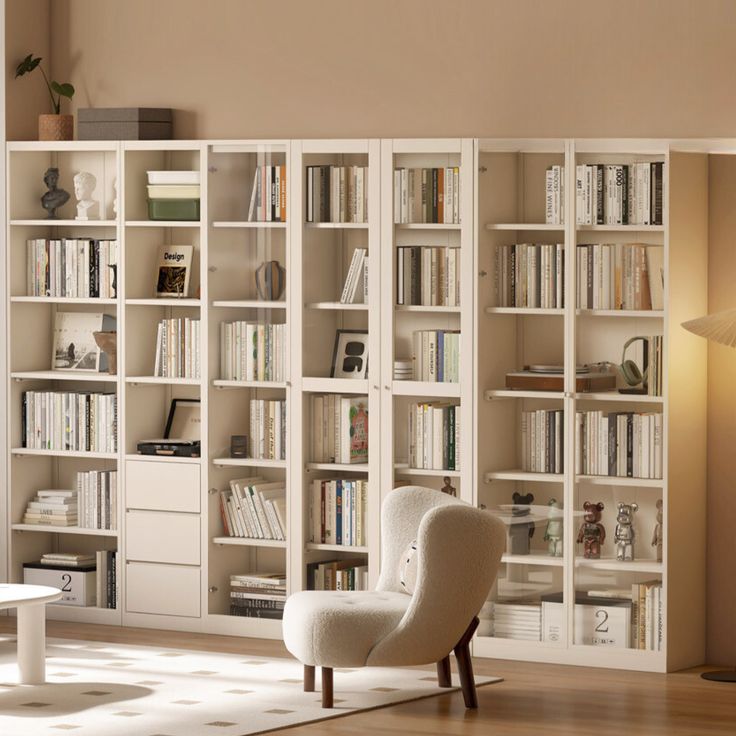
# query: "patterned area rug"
{"points": [[100, 689]]}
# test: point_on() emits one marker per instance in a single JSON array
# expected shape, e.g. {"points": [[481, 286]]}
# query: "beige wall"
{"points": [[341, 68]]}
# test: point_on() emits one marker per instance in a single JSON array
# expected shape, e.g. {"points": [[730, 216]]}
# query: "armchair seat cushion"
{"points": [[339, 629]]}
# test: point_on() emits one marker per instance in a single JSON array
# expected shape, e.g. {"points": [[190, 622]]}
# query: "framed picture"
{"points": [[74, 345], [350, 356], [184, 420]]}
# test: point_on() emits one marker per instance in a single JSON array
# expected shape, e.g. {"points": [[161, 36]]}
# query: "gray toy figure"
{"points": [[54, 198], [625, 535], [519, 534], [553, 532], [658, 531]]}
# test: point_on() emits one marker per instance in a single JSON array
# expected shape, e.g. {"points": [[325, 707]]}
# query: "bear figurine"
{"points": [[624, 534], [658, 531], [592, 533], [520, 533], [553, 532]]}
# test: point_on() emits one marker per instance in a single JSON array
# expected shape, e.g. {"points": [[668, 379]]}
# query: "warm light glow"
{"points": [[719, 327]]}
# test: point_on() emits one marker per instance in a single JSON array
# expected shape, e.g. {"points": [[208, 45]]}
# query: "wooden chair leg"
{"points": [[444, 673], [327, 692], [308, 678], [465, 665]]}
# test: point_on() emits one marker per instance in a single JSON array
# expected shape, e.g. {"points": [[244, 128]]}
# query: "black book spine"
{"points": [[625, 195], [325, 214], [600, 209], [658, 184], [612, 440], [255, 612], [551, 447], [561, 443], [274, 196], [629, 445], [416, 275], [88, 421], [435, 194], [23, 418], [512, 273]]}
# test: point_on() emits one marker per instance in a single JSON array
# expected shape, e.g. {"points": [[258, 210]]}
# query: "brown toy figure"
{"points": [[658, 531], [592, 533]]}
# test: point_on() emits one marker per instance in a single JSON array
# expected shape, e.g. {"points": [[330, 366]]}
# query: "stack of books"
{"points": [[177, 348], [530, 276], [52, 508], [255, 509], [337, 511], [67, 559], [97, 492], [434, 436], [267, 429], [522, 621], [107, 578], [252, 351], [428, 276], [339, 429], [542, 441], [436, 355], [258, 595], [337, 194], [646, 615], [350, 574], [173, 195], [623, 444], [356, 280], [427, 195], [403, 370], [554, 195], [268, 196], [72, 268]]}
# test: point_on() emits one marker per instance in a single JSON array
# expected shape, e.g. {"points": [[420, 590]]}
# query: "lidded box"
{"points": [[124, 123]]}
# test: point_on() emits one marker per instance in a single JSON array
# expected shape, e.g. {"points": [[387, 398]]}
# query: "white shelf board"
{"points": [[338, 306], [335, 385], [615, 480], [221, 383], [622, 313], [532, 559], [336, 225], [524, 311], [247, 304], [164, 302], [612, 564], [163, 223], [21, 451], [622, 228], [87, 376], [162, 458], [509, 393], [60, 300], [616, 396], [248, 462], [524, 476], [63, 146], [161, 381], [315, 547], [403, 469], [428, 225], [525, 226], [247, 542], [64, 530], [241, 224], [63, 223], [426, 388], [433, 309], [339, 467]]}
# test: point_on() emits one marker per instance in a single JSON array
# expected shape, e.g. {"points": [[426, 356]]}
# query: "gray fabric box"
{"points": [[124, 123]]}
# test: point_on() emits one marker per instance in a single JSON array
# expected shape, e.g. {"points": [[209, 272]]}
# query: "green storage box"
{"points": [[173, 209]]}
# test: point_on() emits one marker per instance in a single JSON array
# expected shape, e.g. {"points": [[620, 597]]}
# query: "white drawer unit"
{"points": [[158, 536], [162, 486], [164, 590]]}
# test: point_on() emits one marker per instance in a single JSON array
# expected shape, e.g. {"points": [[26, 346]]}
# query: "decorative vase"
{"points": [[55, 127], [270, 280], [108, 343]]}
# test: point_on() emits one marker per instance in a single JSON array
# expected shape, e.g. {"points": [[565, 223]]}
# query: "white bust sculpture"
{"points": [[84, 185]]}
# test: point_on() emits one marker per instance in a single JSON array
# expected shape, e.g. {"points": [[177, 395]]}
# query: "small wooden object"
{"points": [[327, 692], [444, 672], [308, 678]]}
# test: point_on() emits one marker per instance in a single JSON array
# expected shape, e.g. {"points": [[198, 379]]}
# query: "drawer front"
{"points": [[162, 486], [166, 590], [155, 536]]}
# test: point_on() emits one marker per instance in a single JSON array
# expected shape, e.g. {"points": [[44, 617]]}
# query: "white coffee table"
{"points": [[30, 600]]}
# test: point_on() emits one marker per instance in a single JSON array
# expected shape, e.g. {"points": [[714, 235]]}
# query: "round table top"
{"points": [[13, 595]]}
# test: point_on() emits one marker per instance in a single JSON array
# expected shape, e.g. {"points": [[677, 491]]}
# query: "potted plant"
{"points": [[56, 127]]}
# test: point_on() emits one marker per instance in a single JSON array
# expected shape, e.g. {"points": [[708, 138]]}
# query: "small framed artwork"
{"points": [[350, 356], [184, 420]]}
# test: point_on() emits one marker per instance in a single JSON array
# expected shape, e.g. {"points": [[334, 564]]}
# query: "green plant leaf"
{"points": [[27, 65], [65, 90]]}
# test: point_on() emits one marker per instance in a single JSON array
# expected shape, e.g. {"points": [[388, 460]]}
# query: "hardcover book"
{"points": [[174, 270]]}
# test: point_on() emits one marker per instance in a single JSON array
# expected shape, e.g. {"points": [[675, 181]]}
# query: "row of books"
{"points": [[337, 194], [619, 194], [177, 348], [554, 195], [339, 428], [428, 276], [71, 268], [622, 444], [542, 441], [268, 196], [252, 351], [436, 355], [258, 595], [355, 288], [349, 574], [434, 436], [254, 508], [107, 563], [530, 275], [430, 195], [647, 615], [337, 511], [52, 508], [97, 497], [620, 276], [79, 421], [268, 429], [654, 360]]}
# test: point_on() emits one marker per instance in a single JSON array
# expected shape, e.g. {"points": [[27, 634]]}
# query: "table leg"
{"points": [[32, 643]]}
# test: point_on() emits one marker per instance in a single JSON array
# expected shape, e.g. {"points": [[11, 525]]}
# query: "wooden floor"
{"points": [[534, 699]]}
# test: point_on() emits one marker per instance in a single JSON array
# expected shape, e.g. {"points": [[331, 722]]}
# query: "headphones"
{"points": [[629, 369]]}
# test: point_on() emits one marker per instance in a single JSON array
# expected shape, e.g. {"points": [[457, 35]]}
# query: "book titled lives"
{"points": [[434, 436], [428, 195], [339, 429], [337, 511]]}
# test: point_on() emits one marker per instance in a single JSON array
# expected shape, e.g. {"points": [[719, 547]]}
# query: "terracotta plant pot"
{"points": [[55, 127]]}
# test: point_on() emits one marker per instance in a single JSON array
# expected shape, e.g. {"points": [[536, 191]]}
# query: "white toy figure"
{"points": [[84, 185], [624, 535], [553, 532], [658, 531]]}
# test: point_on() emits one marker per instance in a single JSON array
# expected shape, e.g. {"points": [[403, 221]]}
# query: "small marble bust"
{"points": [[84, 185]]}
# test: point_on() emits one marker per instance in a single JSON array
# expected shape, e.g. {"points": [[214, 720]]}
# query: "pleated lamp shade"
{"points": [[719, 327]]}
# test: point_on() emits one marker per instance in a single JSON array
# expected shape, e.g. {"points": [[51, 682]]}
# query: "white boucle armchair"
{"points": [[458, 550]]}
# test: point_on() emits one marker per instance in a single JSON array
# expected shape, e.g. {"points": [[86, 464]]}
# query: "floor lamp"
{"points": [[719, 327]]}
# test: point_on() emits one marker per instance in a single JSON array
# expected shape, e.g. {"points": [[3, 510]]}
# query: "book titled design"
{"points": [[174, 270], [74, 347]]}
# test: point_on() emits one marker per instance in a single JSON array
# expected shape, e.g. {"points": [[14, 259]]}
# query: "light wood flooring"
{"points": [[534, 699]]}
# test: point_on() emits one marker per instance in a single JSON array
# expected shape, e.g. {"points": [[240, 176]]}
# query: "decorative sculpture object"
{"points": [[520, 533], [114, 284], [658, 535], [448, 488], [624, 534], [84, 185], [108, 343], [270, 281], [592, 533], [55, 197], [554, 531]]}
